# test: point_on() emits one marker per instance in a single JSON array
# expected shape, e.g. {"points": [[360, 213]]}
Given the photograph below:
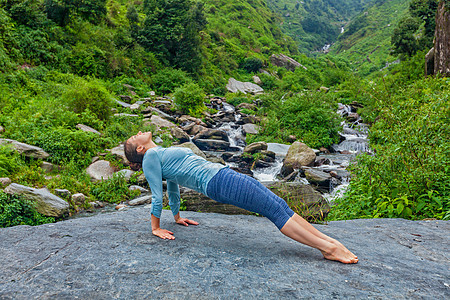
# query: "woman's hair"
{"points": [[133, 156]]}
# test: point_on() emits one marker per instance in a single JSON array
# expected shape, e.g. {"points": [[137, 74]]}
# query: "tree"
{"points": [[403, 40], [171, 30]]}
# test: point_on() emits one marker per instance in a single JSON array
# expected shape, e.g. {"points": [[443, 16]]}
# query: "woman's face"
{"points": [[141, 138]]}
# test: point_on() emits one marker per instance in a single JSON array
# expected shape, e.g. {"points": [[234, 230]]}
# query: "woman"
{"points": [[180, 166]]}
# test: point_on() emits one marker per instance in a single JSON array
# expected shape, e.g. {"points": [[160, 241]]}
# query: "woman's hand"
{"points": [[186, 222], [163, 233]]}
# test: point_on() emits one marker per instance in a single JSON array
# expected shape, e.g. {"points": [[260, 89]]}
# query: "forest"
{"points": [[66, 62]]}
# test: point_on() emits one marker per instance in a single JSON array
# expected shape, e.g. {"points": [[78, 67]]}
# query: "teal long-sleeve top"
{"points": [[179, 166]]}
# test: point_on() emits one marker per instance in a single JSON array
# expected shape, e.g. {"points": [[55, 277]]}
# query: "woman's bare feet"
{"points": [[341, 254]]}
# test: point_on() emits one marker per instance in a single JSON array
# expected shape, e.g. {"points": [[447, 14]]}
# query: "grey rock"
{"points": [[45, 202], [211, 145], [25, 149], [255, 147], [246, 105], [235, 86], [160, 122], [179, 134], [78, 198], [159, 112], [139, 188], [63, 193], [250, 128], [100, 170], [115, 255], [140, 201], [126, 115], [4, 181], [134, 106], [86, 128], [317, 177], [119, 152], [279, 149], [152, 93], [257, 80], [281, 60], [212, 134], [123, 104], [299, 155], [126, 173], [48, 167], [126, 98], [188, 119]]}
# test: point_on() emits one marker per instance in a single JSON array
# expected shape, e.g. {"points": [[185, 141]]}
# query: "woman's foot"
{"points": [[341, 254]]}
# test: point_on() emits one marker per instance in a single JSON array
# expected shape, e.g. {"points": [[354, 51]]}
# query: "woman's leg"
{"points": [[243, 191]]}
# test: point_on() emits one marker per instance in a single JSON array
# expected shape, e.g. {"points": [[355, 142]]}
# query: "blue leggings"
{"points": [[231, 187]]}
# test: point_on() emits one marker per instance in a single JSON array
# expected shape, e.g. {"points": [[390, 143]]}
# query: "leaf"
{"points": [[400, 208]]}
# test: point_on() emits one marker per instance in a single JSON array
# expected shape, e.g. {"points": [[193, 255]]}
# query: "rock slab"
{"points": [[25, 149], [114, 255]]}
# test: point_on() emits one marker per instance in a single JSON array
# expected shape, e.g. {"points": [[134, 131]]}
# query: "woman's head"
{"points": [[135, 148]]}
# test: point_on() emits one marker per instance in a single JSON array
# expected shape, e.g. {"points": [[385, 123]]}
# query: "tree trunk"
{"points": [[442, 40]]}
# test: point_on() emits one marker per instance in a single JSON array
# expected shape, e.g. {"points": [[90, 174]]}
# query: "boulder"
{"points": [[257, 80], [4, 181], [25, 149], [123, 104], [285, 61], [45, 202], [86, 128], [246, 105], [179, 134], [298, 155], [126, 98], [135, 106], [193, 147], [250, 128], [100, 170], [235, 86], [211, 145], [302, 199], [255, 147], [126, 173], [78, 198], [119, 153], [160, 122], [193, 129], [195, 201], [63, 193], [187, 119], [139, 188], [159, 112], [140, 200], [212, 134], [317, 177]]}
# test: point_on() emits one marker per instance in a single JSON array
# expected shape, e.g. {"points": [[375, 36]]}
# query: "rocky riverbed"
{"points": [[115, 256]]}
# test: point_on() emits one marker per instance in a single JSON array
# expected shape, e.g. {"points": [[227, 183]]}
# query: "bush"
{"points": [[190, 99], [113, 190], [9, 160], [16, 210], [92, 95], [167, 80], [251, 64], [408, 177]]}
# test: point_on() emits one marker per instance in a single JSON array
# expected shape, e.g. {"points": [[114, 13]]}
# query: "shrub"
{"points": [[92, 95], [167, 80], [190, 99], [113, 190], [9, 160], [251, 64], [16, 210]]}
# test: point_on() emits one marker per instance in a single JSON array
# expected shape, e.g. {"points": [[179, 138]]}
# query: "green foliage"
{"points": [[113, 190], [310, 117], [251, 64], [9, 161], [408, 177], [190, 99], [16, 210], [89, 95], [167, 80]]}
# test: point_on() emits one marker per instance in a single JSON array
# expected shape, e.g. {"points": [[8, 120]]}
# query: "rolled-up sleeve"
{"points": [[153, 174], [173, 191]]}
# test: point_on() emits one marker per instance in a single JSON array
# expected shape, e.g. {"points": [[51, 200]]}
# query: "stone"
{"points": [[299, 154], [4, 181], [250, 128], [126, 98], [255, 147], [63, 193], [187, 118], [235, 86], [78, 198], [195, 201], [134, 106], [246, 105], [302, 198], [139, 188], [45, 202], [152, 93], [127, 115], [100, 170], [140, 201], [318, 178], [123, 104], [229, 256], [86, 128], [126, 173], [159, 112], [48, 167], [25, 149], [278, 149], [281, 60], [193, 147], [193, 129], [129, 87], [324, 89], [119, 153], [179, 134], [212, 134], [211, 145], [216, 160], [160, 122], [120, 206], [257, 80]]}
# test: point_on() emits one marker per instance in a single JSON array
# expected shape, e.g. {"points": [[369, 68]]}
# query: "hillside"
{"points": [[366, 40], [315, 23]]}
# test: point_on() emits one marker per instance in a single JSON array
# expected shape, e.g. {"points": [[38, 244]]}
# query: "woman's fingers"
{"points": [[192, 222]]}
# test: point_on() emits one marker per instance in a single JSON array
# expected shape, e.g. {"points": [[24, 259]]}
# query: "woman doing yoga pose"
{"points": [[180, 166]]}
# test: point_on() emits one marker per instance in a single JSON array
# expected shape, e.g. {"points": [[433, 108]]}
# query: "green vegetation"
{"points": [[19, 211], [189, 98]]}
